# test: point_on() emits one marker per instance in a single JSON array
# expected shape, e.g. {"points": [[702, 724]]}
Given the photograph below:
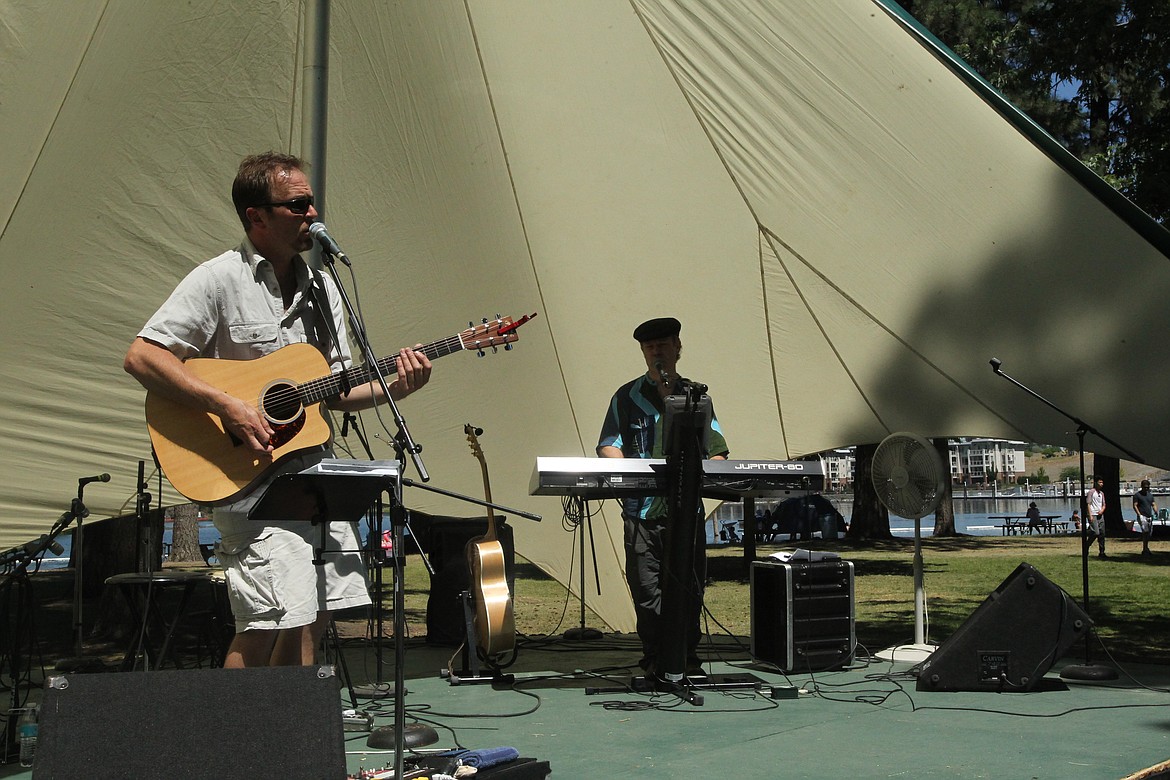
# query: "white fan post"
{"points": [[908, 476]]}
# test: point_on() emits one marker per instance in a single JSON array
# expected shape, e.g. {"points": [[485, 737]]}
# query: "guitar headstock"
{"points": [[492, 333], [472, 434]]}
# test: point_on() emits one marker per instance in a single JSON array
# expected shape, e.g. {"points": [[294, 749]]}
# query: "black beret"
{"points": [[660, 328]]}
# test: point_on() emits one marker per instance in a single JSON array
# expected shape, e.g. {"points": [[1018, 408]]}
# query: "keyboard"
{"points": [[727, 479]]}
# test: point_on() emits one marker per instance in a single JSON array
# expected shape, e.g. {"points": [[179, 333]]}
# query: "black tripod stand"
{"points": [[577, 515], [686, 420], [1088, 670], [16, 621]]}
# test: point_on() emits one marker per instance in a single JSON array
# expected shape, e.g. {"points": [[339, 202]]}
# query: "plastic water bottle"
{"points": [[26, 729]]}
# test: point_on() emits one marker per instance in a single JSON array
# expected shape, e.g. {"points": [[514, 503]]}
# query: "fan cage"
{"points": [[908, 475]]}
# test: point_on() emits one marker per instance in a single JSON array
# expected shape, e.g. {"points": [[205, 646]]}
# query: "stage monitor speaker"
{"points": [[802, 614], [198, 723], [1010, 641], [444, 540]]}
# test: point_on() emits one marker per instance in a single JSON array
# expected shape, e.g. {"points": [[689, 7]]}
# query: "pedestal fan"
{"points": [[910, 480]]}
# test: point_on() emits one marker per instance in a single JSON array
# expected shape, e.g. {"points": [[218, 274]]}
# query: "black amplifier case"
{"points": [[802, 614]]}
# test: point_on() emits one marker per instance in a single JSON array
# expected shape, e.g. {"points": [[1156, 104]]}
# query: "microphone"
{"points": [[995, 364], [318, 231], [37, 546], [662, 373], [30, 550], [98, 478]]}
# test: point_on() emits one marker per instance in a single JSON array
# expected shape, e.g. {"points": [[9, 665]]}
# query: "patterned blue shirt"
{"points": [[633, 424]]}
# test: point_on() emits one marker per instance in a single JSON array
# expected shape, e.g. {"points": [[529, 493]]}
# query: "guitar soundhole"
{"points": [[281, 403]]}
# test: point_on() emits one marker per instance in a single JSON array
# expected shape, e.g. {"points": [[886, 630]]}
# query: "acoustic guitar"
{"points": [[209, 465], [495, 626]]}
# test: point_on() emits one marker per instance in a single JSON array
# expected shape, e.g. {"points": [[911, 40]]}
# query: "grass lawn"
{"points": [[1128, 595]]}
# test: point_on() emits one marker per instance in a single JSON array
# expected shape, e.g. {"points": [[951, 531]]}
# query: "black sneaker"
{"points": [[1102, 555]]}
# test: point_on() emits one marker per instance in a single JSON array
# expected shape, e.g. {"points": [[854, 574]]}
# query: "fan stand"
{"points": [[920, 650], [896, 473]]}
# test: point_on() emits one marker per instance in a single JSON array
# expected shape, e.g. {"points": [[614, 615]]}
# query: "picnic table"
{"points": [[1018, 524]]}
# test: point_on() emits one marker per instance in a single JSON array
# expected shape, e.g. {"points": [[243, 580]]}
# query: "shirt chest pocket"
{"points": [[261, 335]]}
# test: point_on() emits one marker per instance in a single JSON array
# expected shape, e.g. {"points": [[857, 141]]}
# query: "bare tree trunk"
{"points": [[1109, 469], [185, 533], [871, 519], [944, 515]]}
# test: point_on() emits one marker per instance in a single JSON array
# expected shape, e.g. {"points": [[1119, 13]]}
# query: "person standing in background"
{"points": [[1145, 507], [1095, 499]]}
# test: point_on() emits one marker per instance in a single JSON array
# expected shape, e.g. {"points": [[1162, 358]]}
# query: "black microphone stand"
{"points": [[380, 689], [1088, 670], [404, 440], [78, 511]]}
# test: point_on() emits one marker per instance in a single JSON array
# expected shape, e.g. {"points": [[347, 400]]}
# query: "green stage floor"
{"points": [[863, 722]]}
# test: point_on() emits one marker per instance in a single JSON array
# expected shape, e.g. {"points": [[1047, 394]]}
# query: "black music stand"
{"points": [[331, 491]]}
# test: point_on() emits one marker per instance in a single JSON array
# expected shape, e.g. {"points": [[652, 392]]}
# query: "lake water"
{"points": [[972, 515]]}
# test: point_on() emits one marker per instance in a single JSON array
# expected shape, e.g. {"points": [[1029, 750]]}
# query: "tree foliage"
{"points": [[1094, 73]]}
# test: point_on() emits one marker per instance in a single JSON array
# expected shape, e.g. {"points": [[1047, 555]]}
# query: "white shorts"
{"points": [[271, 578]]}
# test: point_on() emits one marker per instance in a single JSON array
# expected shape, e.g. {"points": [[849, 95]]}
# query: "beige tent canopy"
{"points": [[847, 225]]}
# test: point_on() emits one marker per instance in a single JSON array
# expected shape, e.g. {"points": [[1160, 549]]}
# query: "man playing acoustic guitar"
{"points": [[242, 305]]}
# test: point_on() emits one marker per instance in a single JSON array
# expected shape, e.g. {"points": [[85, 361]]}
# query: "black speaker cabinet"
{"points": [[802, 614], [199, 723], [1010, 641], [444, 539]]}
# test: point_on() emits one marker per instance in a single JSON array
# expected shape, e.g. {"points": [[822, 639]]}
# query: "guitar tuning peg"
{"points": [[507, 347], [470, 324], [480, 352], [494, 350], [499, 318], [485, 320]]}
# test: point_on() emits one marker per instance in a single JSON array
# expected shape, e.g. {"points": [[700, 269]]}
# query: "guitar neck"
{"points": [[332, 386], [477, 450]]}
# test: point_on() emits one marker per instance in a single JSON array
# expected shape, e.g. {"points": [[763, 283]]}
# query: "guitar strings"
{"points": [[324, 387]]}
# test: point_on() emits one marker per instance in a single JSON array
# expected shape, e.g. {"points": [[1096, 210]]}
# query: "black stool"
{"points": [[144, 593]]}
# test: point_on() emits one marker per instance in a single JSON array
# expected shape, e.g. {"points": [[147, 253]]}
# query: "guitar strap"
{"points": [[324, 327]]}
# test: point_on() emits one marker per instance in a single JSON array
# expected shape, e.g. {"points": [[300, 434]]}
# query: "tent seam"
{"points": [[869, 315], [52, 126], [520, 213]]}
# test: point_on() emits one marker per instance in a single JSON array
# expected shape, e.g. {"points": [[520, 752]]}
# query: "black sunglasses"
{"points": [[298, 205]]}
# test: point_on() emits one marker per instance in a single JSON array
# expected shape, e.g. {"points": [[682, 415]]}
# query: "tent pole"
{"points": [[315, 97]]}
